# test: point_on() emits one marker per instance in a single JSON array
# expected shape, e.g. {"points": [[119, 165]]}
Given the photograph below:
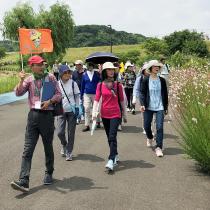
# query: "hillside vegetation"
{"points": [[101, 35]]}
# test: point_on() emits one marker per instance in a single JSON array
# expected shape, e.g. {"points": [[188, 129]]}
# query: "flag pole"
{"points": [[21, 57]]}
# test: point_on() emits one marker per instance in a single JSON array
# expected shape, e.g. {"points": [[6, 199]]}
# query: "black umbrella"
{"points": [[101, 57]]}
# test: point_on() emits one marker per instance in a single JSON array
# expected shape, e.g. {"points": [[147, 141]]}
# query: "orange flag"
{"points": [[35, 41]]}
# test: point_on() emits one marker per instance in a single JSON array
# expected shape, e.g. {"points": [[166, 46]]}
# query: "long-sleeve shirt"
{"points": [[89, 85], [30, 84], [72, 91], [137, 88]]}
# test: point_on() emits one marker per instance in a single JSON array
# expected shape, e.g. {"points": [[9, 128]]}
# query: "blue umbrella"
{"points": [[101, 57]]}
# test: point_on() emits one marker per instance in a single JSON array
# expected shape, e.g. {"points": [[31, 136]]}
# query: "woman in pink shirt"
{"points": [[110, 93]]}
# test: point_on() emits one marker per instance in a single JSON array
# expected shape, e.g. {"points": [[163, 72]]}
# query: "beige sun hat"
{"points": [[127, 64], [108, 65], [78, 62], [153, 63]]}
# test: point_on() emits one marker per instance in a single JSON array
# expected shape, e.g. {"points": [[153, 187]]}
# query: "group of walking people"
{"points": [[100, 95]]}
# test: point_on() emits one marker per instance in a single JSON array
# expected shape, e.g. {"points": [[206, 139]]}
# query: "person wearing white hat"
{"points": [[111, 109], [154, 100], [165, 70], [137, 88], [129, 80]]}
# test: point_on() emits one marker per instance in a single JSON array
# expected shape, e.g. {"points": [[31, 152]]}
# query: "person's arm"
{"points": [[82, 86], [77, 94], [23, 85], [136, 90], [96, 107], [142, 96], [122, 102]]}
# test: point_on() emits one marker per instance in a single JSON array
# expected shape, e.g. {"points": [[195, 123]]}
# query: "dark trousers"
{"points": [[148, 115], [111, 126], [39, 123], [129, 95], [70, 118]]}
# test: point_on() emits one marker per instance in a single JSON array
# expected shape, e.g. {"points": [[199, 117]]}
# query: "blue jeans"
{"points": [[148, 115], [111, 126]]}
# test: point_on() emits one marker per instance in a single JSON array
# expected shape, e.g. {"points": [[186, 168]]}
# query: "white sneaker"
{"points": [[68, 156], [63, 151], [149, 142], [144, 132], [159, 152], [128, 110], [119, 128], [110, 165], [116, 160]]}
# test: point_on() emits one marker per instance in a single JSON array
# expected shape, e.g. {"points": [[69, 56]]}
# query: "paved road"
{"points": [[141, 181]]}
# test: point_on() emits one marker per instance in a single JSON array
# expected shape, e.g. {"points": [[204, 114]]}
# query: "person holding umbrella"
{"points": [[111, 94]]}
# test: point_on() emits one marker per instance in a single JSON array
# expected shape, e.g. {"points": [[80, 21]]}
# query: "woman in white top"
{"points": [[70, 99]]}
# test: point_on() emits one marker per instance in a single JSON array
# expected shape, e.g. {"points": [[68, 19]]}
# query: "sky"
{"points": [[154, 18]]}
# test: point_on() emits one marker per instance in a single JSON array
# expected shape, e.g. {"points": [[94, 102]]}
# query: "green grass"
{"points": [[73, 54], [13, 56], [8, 83]]}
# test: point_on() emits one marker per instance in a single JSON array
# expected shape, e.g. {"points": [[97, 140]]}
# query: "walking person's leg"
{"points": [[127, 93], [106, 123], [71, 119], [159, 129], [87, 105], [148, 115], [114, 123], [142, 122], [61, 127], [31, 138], [47, 131], [131, 98]]}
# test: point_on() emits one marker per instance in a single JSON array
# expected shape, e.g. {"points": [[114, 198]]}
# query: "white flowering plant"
{"points": [[189, 103]]}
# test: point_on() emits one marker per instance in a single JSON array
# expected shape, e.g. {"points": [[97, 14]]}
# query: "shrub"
{"points": [[188, 102]]}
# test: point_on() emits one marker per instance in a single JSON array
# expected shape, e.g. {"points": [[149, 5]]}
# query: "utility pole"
{"points": [[110, 37]]}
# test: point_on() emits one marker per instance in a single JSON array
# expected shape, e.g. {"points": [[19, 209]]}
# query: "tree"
{"points": [[58, 19], [22, 16], [2, 52], [187, 42], [156, 46]]}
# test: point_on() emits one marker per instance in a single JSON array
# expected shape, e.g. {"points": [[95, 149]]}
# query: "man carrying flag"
{"points": [[43, 91]]}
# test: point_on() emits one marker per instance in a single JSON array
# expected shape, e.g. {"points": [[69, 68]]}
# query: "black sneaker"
{"points": [[48, 179], [87, 128], [133, 111], [20, 185]]}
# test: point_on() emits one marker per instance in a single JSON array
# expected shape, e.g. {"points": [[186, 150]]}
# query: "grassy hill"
{"points": [[73, 54]]}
